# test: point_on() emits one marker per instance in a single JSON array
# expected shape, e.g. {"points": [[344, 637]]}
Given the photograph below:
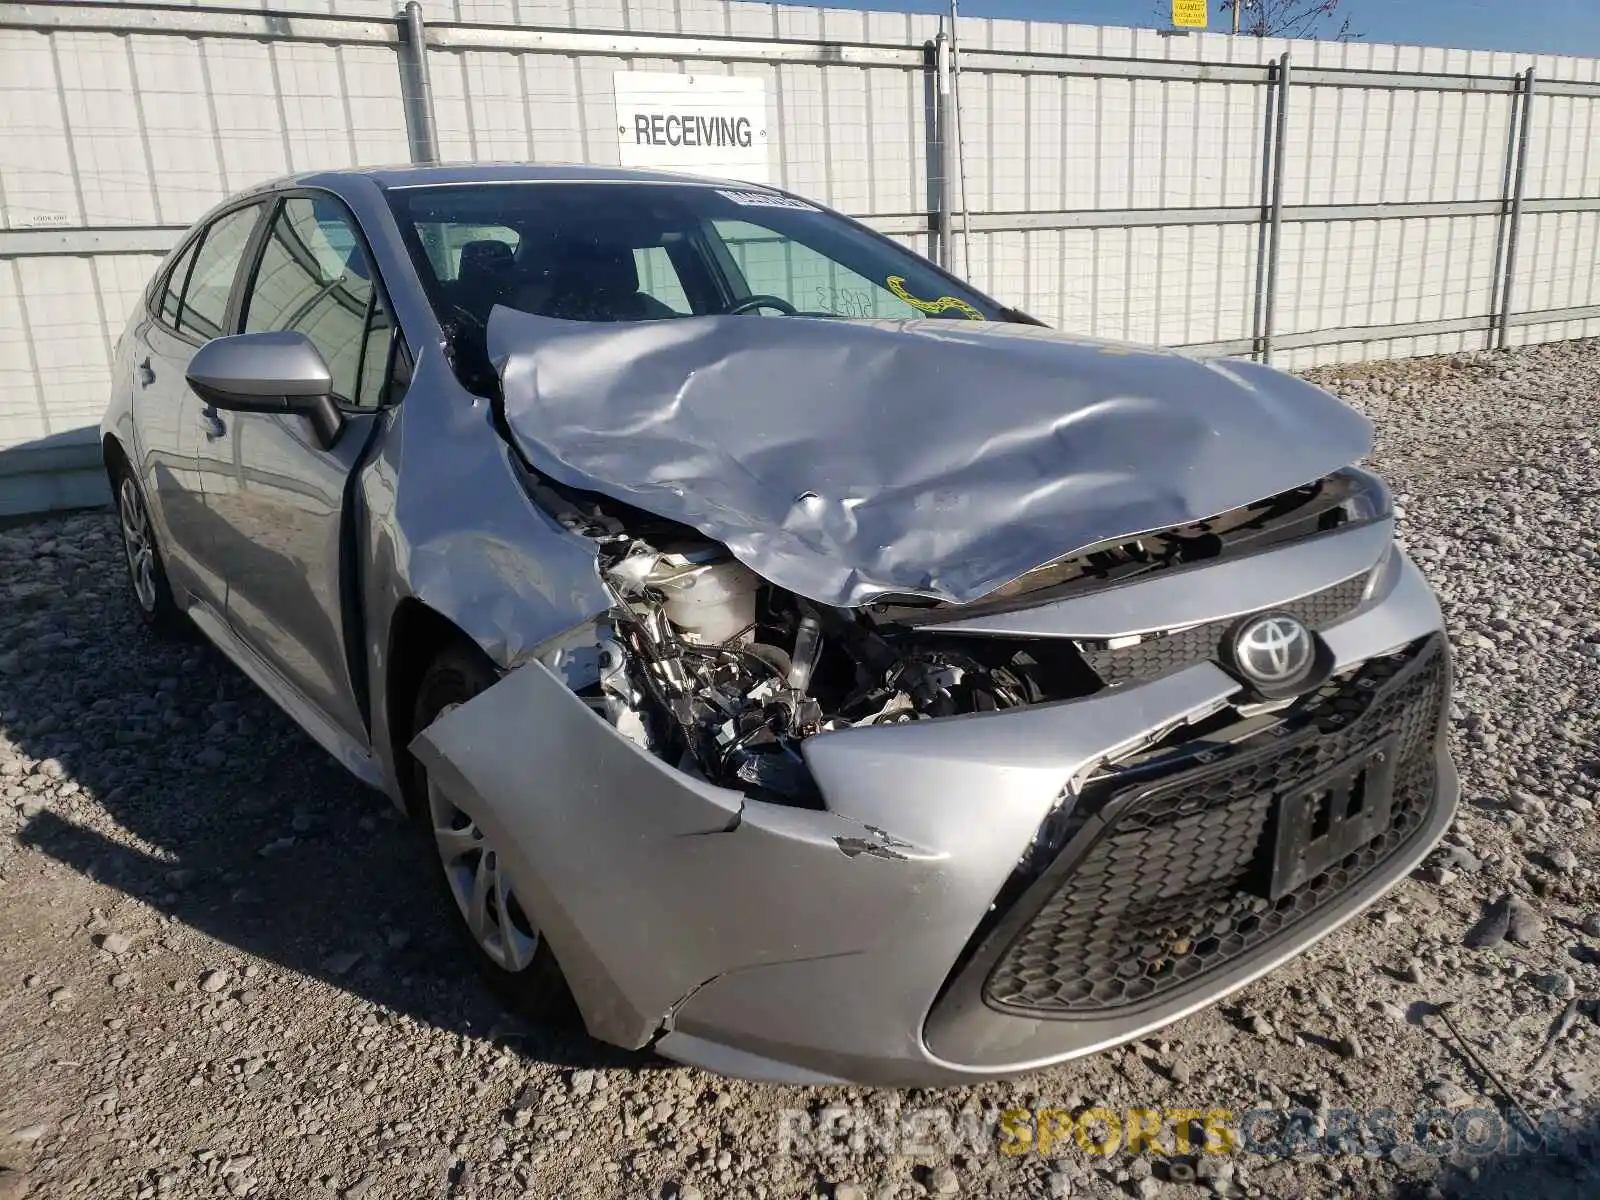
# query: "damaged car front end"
{"points": [[858, 776], [884, 689]]}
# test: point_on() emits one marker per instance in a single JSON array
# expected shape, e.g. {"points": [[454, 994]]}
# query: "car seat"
{"points": [[483, 278], [593, 282]]}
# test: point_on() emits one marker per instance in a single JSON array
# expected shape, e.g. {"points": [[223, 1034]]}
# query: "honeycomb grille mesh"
{"points": [[1162, 895], [1157, 655]]}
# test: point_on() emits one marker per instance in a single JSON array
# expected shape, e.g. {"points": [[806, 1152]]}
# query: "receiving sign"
{"points": [[702, 124]]}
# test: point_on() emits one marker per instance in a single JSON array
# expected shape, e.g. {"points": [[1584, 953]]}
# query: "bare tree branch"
{"points": [[1282, 18], [1292, 18]]}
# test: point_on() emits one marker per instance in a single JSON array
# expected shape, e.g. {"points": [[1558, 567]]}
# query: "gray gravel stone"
{"points": [[1556, 983], [1579, 1082], [1524, 925], [215, 981], [1490, 931], [1526, 805], [1215, 1171], [1460, 860], [1563, 860], [116, 943]]}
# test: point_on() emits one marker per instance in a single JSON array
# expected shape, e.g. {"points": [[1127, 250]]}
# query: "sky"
{"points": [[1544, 26]]}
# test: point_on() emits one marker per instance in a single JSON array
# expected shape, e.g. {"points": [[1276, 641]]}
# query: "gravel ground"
{"points": [[221, 972]]}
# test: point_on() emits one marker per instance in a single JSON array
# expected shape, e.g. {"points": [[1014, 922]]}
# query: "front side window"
{"points": [[315, 277], [634, 252], [204, 309]]}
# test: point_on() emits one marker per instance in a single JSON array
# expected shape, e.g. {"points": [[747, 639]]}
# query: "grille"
{"points": [[1167, 652], [1168, 889]]}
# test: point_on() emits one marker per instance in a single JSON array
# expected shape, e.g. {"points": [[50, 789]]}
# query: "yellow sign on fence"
{"points": [[1189, 14]]}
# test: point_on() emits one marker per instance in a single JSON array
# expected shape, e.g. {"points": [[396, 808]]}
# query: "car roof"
{"points": [[447, 174]]}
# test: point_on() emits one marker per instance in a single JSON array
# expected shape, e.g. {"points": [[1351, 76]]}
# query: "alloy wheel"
{"points": [[479, 883], [138, 544]]}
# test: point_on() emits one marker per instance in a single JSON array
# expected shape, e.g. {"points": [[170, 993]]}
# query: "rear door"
{"points": [[280, 511], [193, 306]]}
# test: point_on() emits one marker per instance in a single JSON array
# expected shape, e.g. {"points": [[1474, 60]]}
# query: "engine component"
{"points": [[712, 669], [710, 602], [807, 648]]}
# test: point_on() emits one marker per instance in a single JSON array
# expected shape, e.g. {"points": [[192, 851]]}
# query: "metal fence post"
{"points": [[941, 60], [955, 136], [1275, 250], [1503, 220], [1263, 226], [416, 89], [1518, 185]]}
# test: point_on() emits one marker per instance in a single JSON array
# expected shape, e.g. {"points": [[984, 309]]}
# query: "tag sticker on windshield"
{"points": [[767, 200], [944, 304]]}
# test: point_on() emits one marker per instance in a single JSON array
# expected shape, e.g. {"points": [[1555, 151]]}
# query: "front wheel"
{"points": [[504, 939]]}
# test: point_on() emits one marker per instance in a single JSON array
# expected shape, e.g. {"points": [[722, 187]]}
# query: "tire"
{"points": [[510, 954], [147, 576]]}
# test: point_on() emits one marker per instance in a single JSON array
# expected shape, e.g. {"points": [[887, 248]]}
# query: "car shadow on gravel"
{"points": [[152, 766], [349, 902], [1566, 1169]]}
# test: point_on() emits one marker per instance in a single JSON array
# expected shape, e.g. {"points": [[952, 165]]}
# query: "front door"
{"points": [[281, 504]]}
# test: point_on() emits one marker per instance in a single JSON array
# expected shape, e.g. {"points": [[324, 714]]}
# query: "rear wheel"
{"points": [[152, 594], [504, 938]]}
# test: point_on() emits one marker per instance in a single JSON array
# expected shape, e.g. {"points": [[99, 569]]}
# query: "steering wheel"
{"points": [[750, 303]]}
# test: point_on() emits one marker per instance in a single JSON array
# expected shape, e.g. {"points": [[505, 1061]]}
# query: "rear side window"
{"points": [[204, 308], [172, 294]]}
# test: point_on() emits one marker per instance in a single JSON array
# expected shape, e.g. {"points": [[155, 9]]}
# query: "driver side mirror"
{"points": [[272, 372]]}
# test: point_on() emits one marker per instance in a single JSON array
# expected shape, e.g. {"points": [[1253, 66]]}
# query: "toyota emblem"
{"points": [[1274, 651]]}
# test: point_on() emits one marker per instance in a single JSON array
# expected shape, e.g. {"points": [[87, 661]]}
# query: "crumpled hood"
{"points": [[848, 460]]}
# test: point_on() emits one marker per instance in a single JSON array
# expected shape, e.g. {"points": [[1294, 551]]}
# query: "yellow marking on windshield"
{"points": [[944, 304]]}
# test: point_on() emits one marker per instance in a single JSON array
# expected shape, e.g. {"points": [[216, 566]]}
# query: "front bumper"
{"points": [[808, 946]]}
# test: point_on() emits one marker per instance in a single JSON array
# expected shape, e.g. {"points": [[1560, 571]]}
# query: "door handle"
{"points": [[147, 374], [214, 427]]}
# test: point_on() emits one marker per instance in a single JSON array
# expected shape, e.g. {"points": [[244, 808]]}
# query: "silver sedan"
{"points": [[803, 664]]}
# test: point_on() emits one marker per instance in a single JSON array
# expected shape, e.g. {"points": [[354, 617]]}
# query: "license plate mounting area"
{"points": [[1320, 822]]}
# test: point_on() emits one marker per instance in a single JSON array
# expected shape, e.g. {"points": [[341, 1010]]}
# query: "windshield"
{"points": [[639, 252]]}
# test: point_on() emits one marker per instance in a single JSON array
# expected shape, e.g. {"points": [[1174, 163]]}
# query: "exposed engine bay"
{"points": [[707, 665], [712, 668]]}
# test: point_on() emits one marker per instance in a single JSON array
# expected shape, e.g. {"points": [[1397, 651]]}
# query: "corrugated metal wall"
{"points": [[121, 124]]}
